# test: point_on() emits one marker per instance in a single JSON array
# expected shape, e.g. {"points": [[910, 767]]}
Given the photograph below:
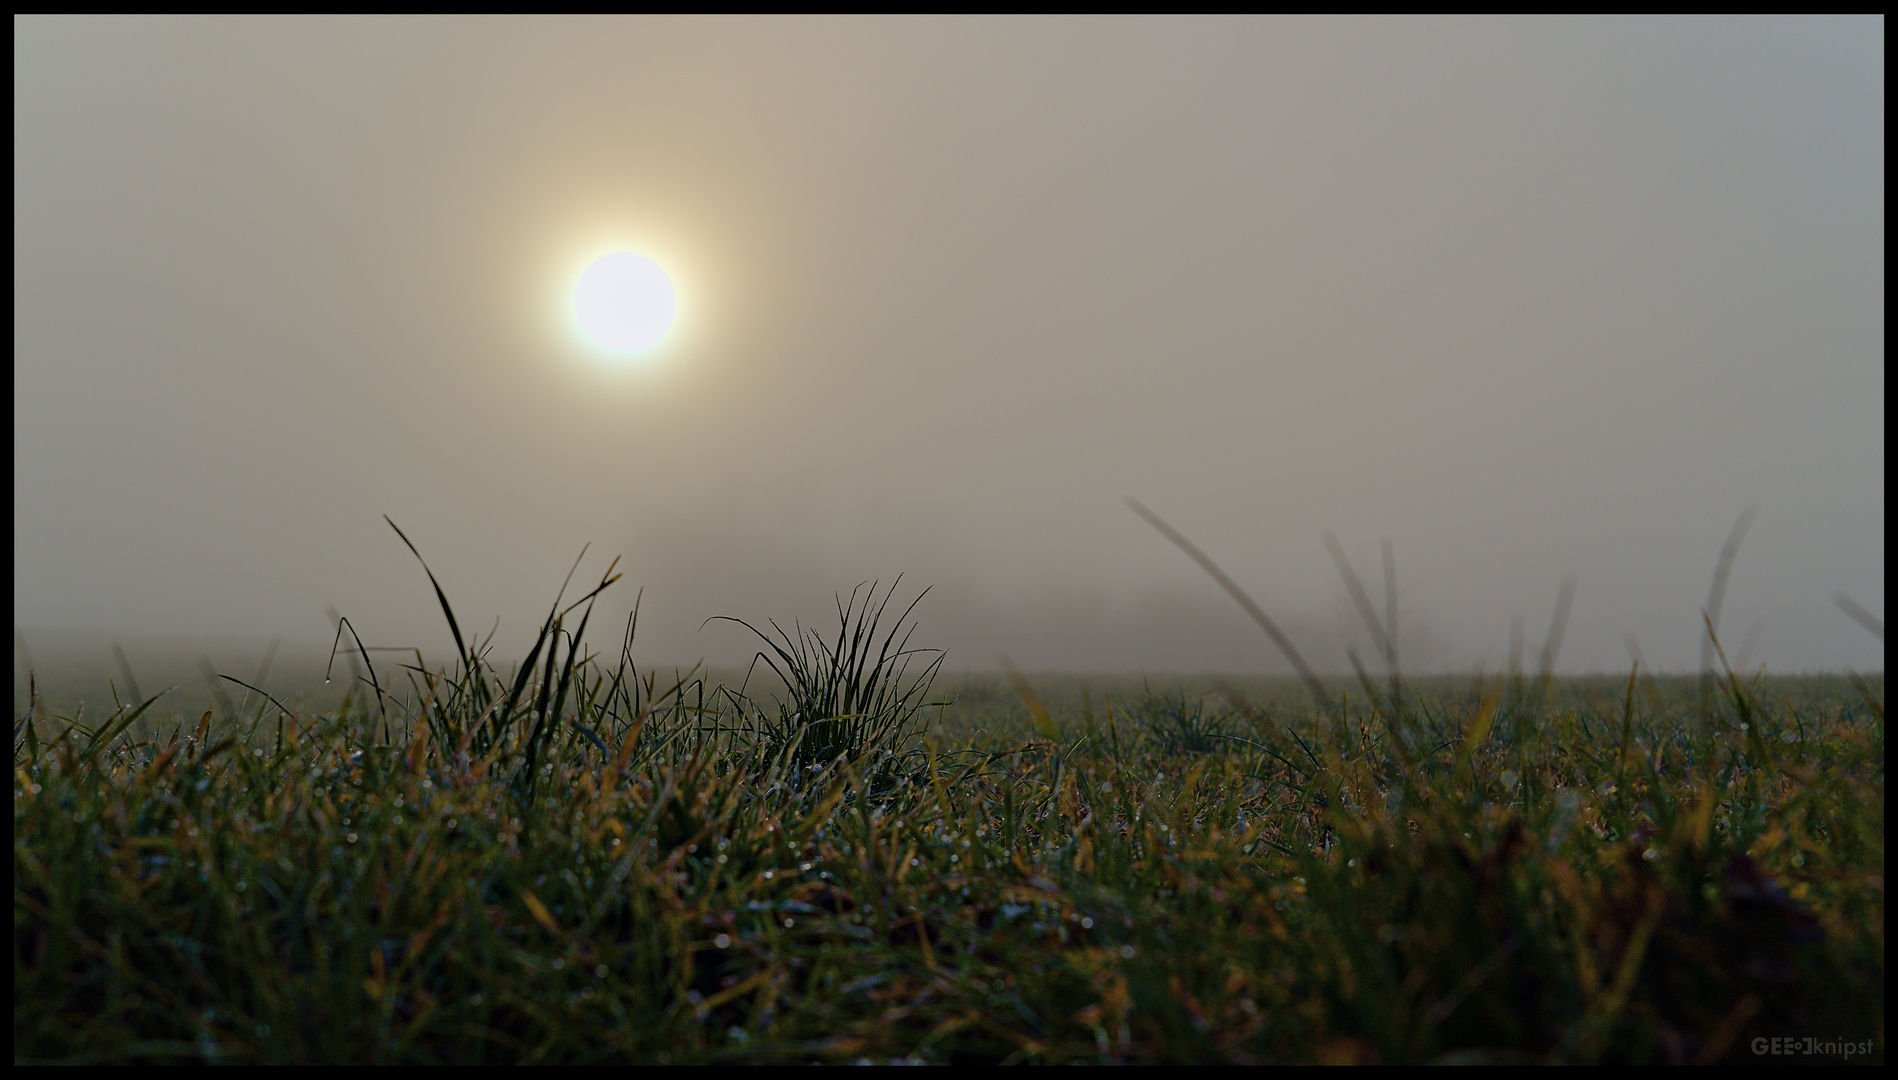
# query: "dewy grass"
{"points": [[850, 700], [578, 863], [1181, 724]]}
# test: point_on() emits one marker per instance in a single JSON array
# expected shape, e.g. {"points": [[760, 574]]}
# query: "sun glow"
{"points": [[624, 302]]}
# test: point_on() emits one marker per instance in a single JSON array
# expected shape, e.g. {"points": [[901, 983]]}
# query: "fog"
{"points": [[1526, 298]]}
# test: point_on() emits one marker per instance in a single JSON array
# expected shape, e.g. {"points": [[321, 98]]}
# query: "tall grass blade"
{"points": [[1528, 704], [1859, 615], [355, 670], [1558, 624], [1232, 588], [1752, 638], [281, 707], [1715, 596], [1515, 660], [270, 656], [1037, 712], [125, 669], [26, 657], [1359, 598], [454, 628], [217, 691], [1390, 607], [1744, 708], [1383, 634]]}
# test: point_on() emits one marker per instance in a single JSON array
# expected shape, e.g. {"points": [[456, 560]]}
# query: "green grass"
{"points": [[582, 861]]}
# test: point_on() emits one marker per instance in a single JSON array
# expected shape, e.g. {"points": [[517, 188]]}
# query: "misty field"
{"points": [[846, 858]]}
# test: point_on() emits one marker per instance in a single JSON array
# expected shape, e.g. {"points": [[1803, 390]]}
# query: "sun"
{"points": [[624, 302]]}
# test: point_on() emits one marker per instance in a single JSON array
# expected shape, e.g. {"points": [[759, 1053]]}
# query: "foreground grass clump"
{"points": [[582, 864]]}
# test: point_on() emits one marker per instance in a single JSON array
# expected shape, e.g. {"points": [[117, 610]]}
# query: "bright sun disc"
{"points": [[624, 302]]}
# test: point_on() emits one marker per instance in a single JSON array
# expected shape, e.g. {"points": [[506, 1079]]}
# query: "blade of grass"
{"points": [[217, 692], [1359, 598], [125, 669], [1037, 711], [454, 628], [106, 734], [1716, 595], [1232, 589], [1859, 615], [1558, 624]]}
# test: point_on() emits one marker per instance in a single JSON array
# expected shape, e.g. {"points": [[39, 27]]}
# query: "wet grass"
{"points": [[581, 861]]}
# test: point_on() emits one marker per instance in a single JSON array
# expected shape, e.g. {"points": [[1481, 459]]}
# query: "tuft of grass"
{"points": [[1177, 723], [849, 700]]}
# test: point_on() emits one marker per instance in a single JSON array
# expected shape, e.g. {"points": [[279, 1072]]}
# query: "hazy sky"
{"points": [[1529, 297]]}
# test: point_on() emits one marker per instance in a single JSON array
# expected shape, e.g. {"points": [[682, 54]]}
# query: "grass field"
{"points": [[577, 860]]}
